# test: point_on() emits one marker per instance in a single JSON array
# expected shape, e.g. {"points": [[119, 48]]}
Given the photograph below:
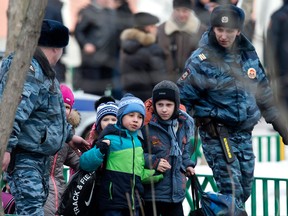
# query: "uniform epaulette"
{"points": [[32, 68], [202, 57]]}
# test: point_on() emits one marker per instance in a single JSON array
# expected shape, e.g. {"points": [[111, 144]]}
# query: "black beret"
{"points": [[183, 3], [144, 19], [228, 16], [53, 34]]}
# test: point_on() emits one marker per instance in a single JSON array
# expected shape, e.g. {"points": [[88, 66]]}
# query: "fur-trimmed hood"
{"points": [[191, 27], [74, 118], [132, 39]]}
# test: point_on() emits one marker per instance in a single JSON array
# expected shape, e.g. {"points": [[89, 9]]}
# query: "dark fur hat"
{"points": [[53, 34], [228, 16], [142, 19], [183, 3]]}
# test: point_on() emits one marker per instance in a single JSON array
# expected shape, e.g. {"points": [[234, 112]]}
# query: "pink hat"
{"points": [[67, 94]]}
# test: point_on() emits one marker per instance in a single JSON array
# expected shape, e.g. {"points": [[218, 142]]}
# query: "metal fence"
{"points": [[266, 148], [269, 195]]}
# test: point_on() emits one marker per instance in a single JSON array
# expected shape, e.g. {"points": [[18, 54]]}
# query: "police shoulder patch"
{"points": [[202, 57]]}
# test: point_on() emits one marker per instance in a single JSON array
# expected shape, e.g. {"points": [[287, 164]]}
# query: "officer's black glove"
{"points": [[103, 147], [280, 126]]}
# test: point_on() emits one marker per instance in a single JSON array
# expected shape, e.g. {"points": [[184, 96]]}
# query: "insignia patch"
{"points": [[251, 73], [202, 57], [155, 140], [224, 19], [185, 75]]}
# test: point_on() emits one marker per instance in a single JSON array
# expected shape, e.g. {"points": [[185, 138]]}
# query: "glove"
{"points": [[103, 147], [281, 128]]}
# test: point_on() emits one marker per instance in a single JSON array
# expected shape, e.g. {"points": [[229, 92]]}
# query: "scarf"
{"points": [[172, 126]]}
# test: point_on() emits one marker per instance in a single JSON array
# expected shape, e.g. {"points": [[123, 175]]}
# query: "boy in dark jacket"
{"points": [[168, 151]]}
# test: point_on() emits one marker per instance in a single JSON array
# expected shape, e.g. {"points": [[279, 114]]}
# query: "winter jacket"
{"points": [[40, 123], [178, 42], [172, 188], [124, 168], [230, 87], [96, 26], [57, 185], [142, 63]]}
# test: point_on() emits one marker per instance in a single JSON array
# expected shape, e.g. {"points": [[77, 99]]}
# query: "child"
{"points": [[167, 140], [121, 187], [106, 113], [66, 156]]}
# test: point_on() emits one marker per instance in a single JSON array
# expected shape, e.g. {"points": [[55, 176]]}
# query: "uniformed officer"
{"points": [[40, 127], [225, 85]]}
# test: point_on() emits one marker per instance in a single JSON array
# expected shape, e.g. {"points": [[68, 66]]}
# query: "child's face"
{"points": [[132, 121], [165, 109], [108, 119], [67, 109]]}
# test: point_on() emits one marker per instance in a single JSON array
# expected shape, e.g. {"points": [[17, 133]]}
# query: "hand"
{"points": [[78, 143], [89, 48], [103, 146], [190, 171], [163, 165], [6, 161]]}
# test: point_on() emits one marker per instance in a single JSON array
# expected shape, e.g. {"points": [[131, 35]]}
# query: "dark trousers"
{"points": [[164, 209]]}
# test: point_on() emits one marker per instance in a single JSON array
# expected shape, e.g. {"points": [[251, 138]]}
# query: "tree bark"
{"points": [[24, 24]]}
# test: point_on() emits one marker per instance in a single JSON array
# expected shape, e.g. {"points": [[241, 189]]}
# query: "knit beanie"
{"points": [[104, 109], [183, 3], [53, 34], [129, 103], [229, 16], [166, 90], [67, 94]]}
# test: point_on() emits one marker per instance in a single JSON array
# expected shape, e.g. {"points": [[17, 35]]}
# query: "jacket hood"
{"points": [[74, 118], [132, 39]]}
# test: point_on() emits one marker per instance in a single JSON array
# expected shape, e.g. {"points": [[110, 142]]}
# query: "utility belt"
{"points": [[220, 131]]}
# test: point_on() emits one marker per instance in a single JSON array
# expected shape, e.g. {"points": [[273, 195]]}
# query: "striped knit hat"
{"points": [[104, 109]]}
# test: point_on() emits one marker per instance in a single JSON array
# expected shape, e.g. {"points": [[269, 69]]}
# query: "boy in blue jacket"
{"points": [[168, 151], [123, 174]]}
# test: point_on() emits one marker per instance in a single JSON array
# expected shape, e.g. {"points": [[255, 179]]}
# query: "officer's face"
{"points": [[225, 36]]}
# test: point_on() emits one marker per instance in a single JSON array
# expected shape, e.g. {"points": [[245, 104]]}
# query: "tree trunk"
{"points": [[24, 24]]}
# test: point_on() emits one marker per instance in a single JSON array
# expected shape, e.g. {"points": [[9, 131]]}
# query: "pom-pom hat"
{"points": [[53, 34], [129, 103], [229, 16], [104, 109], [67, 94]]}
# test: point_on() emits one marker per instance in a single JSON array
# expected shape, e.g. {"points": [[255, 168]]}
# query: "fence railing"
{"points": [[269, 195], [266, 148]]}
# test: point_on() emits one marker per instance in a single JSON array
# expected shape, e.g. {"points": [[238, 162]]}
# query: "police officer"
{"points": [[40, 128], [225, 85]]}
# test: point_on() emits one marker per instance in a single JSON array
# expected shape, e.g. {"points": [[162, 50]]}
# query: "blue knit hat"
{"points": [[53, 34], [129, 103], [104, 109]]}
